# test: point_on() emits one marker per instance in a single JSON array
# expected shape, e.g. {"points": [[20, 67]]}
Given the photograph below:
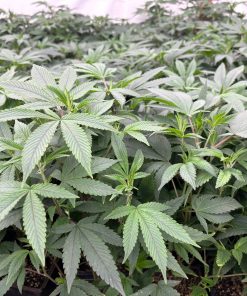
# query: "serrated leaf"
{"points": [[170, 226], [130, 234], [67, 79], [89, 120], [104, 232], [223, 178], [42, 76], [154, 241], [188, 173], [238, 125], [34, 220], [36, 145], [82, 89], [100, 259], [27, 90], [120, 212], [8, 201], [71, 256], [18, 113], [169, 173], [79, 144], [222, 257], [92, 187], [52, 191]]}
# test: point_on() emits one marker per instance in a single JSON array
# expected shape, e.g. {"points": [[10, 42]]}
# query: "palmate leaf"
{"points": [[52, 191], [151, 221], [215, 210], [92, 187], [71, 256], [34, 220], [79, 144], [99, 257], [36, 145]]}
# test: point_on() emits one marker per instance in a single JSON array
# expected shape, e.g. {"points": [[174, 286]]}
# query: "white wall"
{"points": [[114, 8]]}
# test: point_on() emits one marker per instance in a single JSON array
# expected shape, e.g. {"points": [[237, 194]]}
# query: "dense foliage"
{"points": [[123, 150]]}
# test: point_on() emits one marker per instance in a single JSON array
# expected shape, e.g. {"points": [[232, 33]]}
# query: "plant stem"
{"points": [[175, 189], [222, 141], [227, 275], [59, 210], [194, 132], [42, 274]]}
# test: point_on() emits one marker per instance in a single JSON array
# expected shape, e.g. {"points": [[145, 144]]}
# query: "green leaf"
{"points": [[82, 89], [100, 259], [17, 263], [170, 226], [71, 256], [223, 178], [27, 90], [169, 173], [130, 233], [52, 191], [92, 187], [154, 241], [18, 113], [34, 220], [188, 173], [120, 151], [89, 120], [35, 147], [104, 232], [42, 76], [222, 257], [8, 201], [120, 212], [79, 144], [67, 79], [150, 126], [238, 125]]}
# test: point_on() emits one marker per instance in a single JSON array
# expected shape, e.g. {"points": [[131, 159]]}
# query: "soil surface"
{"points": [[225, 287]]}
